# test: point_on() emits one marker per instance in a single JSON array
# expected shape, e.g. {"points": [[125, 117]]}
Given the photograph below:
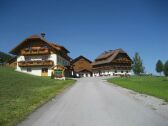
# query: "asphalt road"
{"points": [[92, 102]]}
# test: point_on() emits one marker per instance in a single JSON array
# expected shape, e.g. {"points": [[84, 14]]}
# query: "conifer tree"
{"points": [[137, 64], [166, 69], [159, 66]]}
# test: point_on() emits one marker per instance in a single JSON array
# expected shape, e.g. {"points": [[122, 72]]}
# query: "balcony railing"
{"points": [[35, 51], [35, 63], [112, 67]]}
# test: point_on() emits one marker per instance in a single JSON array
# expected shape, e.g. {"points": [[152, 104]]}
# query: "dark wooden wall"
{"points": [[82, 64]]}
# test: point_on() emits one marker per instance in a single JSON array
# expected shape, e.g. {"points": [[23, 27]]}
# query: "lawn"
{"points": [[155, 86], [20, 94]]}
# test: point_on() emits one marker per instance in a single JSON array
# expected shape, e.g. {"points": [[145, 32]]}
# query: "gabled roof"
{"points": [[57, 46], [80, 57], [108, 56], [54, 46]]}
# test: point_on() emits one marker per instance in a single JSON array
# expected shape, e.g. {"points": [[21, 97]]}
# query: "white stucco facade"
{"points": [[37, 70], [34, 70], [111, 72], [83, 74]]}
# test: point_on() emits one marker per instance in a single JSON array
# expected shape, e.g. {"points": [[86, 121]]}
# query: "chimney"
{"points": [[43, 34]]}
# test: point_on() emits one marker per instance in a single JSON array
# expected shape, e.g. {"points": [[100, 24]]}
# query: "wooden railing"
{"points": [[112, 67], [124, 60], [35, 63], [35, 51]]}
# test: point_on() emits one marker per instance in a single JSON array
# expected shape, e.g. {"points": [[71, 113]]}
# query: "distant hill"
{"points": [[4, 57]]}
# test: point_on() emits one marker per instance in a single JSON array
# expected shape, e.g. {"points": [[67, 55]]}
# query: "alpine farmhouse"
{"points": [[37, 56], [82, 67], [112, 63]]}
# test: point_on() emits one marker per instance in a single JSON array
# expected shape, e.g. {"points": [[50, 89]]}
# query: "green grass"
{"points": [[20, 94], [154, 86]]}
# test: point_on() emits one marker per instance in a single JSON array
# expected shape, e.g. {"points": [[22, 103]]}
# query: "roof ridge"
{"points": [[36, 36], [74, 60]]}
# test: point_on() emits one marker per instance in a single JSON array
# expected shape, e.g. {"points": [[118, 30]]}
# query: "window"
{"points": [[44, 46], [44, 57], [122, 71], [64, 62], [115, 71], [58, 59], [29, 48], [27, 58], [126, 71], [44, 70], [29, 69]]}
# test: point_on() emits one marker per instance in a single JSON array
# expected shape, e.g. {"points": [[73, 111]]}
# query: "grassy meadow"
{"points": [[151, 85], [20, 94]]}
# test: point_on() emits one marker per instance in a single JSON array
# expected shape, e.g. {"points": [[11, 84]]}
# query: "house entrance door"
{"points": [[44, 72]]}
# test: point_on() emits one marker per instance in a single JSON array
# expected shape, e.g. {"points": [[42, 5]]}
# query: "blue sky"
{"points": [[89, 27]]}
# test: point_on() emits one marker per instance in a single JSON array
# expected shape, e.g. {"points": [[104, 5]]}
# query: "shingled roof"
{"points": [[59, 47], [52, 45], [81, 57], [108, 56]]}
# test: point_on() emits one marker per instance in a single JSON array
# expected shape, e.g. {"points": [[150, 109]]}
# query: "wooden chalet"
{"points": [[82, 67], [37, 56], [112, 62]]}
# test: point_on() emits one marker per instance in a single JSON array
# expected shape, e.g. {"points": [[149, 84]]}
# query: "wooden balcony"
{"points": [[35, 63], [116, 67], [122, 61], [123, 67], [41, 51]]}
